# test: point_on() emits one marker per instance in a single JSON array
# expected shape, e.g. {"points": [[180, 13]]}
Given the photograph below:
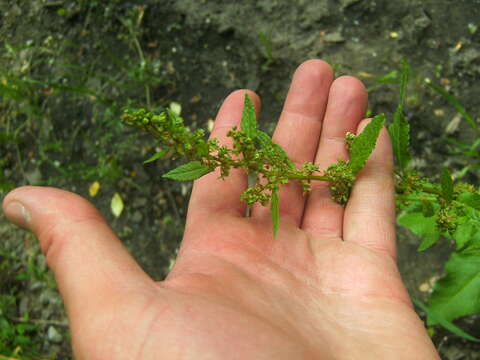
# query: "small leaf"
{"points": [[264, 139], [249, 119], [463, 235], [189, 171], [431, 314], [364, 143], [399, 130], [156, 156], [116, 205], [275, 211], [428, 240], [470, 199], [458, 293], [266, 142], [420, 225], [93, 188], [404, 77], [447, 185], [427, 208]]}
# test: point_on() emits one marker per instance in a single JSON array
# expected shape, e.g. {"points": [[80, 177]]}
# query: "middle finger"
{"points": [[298, 130]]}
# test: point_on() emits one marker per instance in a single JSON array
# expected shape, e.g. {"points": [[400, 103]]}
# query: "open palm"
{"points": [[326, 288]]}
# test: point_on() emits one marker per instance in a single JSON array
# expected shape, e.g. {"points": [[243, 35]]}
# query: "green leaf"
{"points": [[470, 199], [464, 234], [364, 143], [447, 185], [275, 211], [426, 227], [189, 171], [399, 130], [458, 293], [427, 208], [404, 77], [431, 314], [458, 106], [264, 139], [266, 142], [249, 119], [156, 156]]}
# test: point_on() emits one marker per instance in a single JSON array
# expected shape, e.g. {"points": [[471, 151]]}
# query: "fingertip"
{"points": [[31, 207], [233, 105], [86, 257], [315, 69], [352, 89]]}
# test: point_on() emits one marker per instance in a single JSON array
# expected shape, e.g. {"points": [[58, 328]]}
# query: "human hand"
{"points": [[326, 288]]}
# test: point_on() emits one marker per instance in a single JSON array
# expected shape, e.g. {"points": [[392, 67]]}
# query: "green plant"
{"points": [[14, 336], [254, 151], [449, 208]]}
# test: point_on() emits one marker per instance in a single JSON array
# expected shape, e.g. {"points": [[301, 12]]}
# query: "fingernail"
{"points": [[18, 214]]}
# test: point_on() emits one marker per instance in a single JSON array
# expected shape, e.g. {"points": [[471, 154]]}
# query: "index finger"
{"points": [[210, 194]]}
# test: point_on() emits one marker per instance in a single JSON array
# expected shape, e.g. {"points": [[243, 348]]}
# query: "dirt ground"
{"points": [[80, 64]]}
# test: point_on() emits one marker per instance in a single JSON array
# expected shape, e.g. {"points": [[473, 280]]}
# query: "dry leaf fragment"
{"points": [[93, 188], [116, 205], [176, 108]]}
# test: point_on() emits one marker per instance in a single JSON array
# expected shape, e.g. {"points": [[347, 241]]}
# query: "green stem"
{"points": [[309, 177]]}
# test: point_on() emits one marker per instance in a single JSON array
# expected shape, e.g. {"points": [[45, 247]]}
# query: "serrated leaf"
{"points": [[264, 139], [249, 118], [404, 77], [156, 156], [464, 234], [427, 208], [116, 205], [364, 143], [266, 142], [189, 171], [431, 314], [470, 199], [426, 227], [275, 211], [458, 293], [447, 185], [399, 130]]}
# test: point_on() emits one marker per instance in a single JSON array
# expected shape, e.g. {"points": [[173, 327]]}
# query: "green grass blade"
{"points": [[445, 323], [454, 101]]}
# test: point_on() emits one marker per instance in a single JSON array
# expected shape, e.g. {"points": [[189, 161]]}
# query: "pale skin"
{"points": [[327, 288]]}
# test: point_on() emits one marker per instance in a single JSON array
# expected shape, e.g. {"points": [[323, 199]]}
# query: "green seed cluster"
{"points": [[256, 154]]}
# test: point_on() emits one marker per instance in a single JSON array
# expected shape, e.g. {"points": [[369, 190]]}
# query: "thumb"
{"points": [[90, 264]]}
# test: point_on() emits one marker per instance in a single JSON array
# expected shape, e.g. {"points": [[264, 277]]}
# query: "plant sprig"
{"points": [[447, 208], [254, 151]]}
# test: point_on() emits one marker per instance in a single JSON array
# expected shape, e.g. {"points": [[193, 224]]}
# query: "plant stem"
{"points": [[309, 177]]}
